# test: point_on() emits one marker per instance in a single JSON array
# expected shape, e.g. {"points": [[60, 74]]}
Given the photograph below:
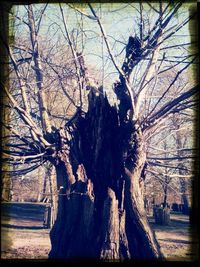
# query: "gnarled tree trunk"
{"points": [[101, 211]]}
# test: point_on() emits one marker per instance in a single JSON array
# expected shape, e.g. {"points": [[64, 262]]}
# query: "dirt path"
{"points": [[25, 243], [27, 239], [23, 235]]}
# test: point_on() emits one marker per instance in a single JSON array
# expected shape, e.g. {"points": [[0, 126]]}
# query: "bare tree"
{"points": [[170, 156], [99, 152], [182, 137]]}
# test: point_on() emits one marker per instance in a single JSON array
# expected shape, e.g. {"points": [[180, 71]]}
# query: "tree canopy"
{"points": [[48, 82]]}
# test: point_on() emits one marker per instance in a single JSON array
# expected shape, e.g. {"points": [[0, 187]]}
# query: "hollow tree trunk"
{"points": [[101, 211]]}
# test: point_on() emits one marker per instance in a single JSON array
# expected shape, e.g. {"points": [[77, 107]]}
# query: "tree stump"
{"points": [[162, 216]]}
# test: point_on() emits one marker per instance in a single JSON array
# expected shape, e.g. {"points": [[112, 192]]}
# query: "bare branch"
{"points": [[76, 62], [26, 170], [170, 175], [26, 118], [61, 84], [151, 68], [171, 158], [41, 16], [168, 108], [82, 13], [171, 84], [22, 138], [164, 151], [167, 166], [178, 28], [119, 70], [153, 41], [157, 176], [21, 157], [20, 79], [39, 74]]}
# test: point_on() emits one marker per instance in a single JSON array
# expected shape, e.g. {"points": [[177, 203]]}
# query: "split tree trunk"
{"points": [[101, 211]]}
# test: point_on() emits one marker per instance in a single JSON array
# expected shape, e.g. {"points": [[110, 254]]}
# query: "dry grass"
{"points": [[25, 243], [27, 239], [176, 239]]}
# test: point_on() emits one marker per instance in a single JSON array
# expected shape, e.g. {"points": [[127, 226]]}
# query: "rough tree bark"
{"points": [[101, 211]]}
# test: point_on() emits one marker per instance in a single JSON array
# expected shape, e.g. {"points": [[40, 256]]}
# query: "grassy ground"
{"points": [[22, 232], [23, 237], [25, 243], [177, 241]]}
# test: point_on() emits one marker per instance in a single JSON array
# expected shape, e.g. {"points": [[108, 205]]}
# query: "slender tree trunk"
{"points": [[184, 195], [42, 98], [6, 188], [101, 211], [54, 196], [165, 196], [183, 185]]}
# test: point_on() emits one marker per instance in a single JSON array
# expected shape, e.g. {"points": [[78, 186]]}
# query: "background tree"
{"points": [[98, 149], [184, 166], [166, 157]]}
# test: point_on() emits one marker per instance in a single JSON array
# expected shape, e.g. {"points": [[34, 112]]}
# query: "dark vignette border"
{"points": [[4, 30]]}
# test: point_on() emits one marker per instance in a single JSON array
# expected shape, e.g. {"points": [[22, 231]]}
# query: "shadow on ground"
{"points": [[22, 215], [22, 226]]}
